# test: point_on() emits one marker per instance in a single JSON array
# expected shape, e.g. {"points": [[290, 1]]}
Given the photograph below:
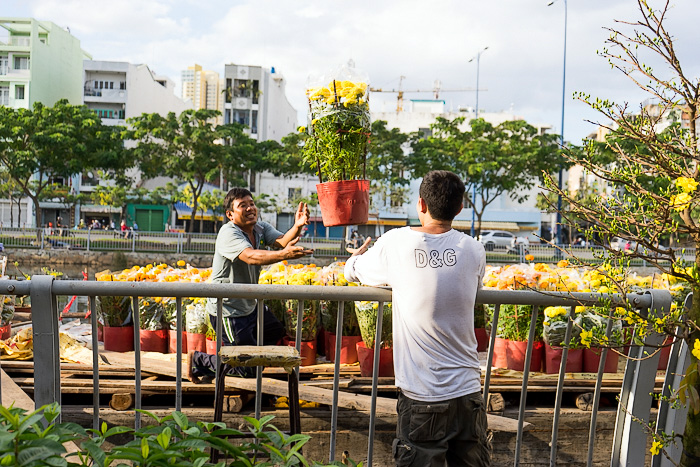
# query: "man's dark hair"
{"points": [[443, 193], [234, 194]]}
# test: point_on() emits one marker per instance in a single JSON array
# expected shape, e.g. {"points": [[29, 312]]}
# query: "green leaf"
{"points": [[144, 448], [180, 419]]}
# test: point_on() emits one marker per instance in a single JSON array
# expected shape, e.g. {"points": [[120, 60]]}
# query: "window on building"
{"points": [[4, 95], [122, 85], [96, 84], [256, 91], [293, 194], [4, 65], [19, 92], [254, 123], [21, 63]]}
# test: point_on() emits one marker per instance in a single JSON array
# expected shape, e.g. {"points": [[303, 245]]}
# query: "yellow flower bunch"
{"points": [[342, 92], [681, 201], [686, 184], [158, 273]]}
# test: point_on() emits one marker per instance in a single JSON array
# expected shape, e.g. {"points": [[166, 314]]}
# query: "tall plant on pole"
{"points": [[651, 194]]}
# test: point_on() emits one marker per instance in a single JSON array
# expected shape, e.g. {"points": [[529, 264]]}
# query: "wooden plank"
{"points": [[351, 401], [13, 394]]}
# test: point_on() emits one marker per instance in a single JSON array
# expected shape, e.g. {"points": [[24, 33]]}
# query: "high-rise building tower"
{"points": [[204, 88]]}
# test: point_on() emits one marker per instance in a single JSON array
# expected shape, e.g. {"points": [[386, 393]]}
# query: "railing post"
{"points": [[47, 358], [88, 240], [635, 396], [41, 234]]}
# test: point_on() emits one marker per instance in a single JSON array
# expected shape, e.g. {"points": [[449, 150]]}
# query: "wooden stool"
{"points": [[254, 356]]}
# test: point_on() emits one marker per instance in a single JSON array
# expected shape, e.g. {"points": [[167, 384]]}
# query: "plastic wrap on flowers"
{"points": [[339, 128], [114, 311], [196, 317], [367, 319], [8, 309], [151, 313], [329, 317], [555, 321], [309, 321], [170, 313]]}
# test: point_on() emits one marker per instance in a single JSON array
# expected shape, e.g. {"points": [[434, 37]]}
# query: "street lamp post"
{"points": [[563, 101], [476, 115]]}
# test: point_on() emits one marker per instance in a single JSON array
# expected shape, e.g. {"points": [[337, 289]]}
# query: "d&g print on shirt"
{"points": [[434, 258]]}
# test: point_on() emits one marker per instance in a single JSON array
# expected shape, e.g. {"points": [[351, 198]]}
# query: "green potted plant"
{"points": [[170, 318], [554, 333], [115, 314], [196, 324], [339, 132], [594, 322], [152, 323], [367, 314], [351, 331], [309, 328], [514, 326]]}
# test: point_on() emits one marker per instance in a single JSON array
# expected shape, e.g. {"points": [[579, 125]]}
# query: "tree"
{"points": [[189, 147], [387, 164], [652, 183], [504, 159], [44, 144]]}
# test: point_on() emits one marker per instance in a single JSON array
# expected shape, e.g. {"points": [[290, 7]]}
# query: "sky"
{"points": [[521, 71]]}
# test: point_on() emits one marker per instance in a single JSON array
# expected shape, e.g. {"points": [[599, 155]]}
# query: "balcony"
{"points": [[105, 95], [17, 41]]}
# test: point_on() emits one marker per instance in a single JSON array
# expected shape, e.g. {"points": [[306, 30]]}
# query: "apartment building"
{"points": [[204, 88], [39, 62], [117, 91]]}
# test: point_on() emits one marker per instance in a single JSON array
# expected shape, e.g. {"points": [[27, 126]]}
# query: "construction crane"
{"points": [[437, 89]]}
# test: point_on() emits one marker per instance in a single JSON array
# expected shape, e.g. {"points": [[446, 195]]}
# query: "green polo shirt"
{"points": [[227, 268]]}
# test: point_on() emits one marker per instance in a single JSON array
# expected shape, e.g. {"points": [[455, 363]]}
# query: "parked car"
{"points": [[496, 238]]}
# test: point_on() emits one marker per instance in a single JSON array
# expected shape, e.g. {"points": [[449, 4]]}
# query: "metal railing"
{"points": [[635, 395]]}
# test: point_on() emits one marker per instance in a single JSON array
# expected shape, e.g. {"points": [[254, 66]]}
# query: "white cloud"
{"points": [[421, 40]]}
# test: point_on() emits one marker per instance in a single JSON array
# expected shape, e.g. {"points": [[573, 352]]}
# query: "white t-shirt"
{"points": [[434, 278]]}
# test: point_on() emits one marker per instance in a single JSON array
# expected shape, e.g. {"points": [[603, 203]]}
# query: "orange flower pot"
{"points": [[365, 357], [172, 341], [348, 348], [345, 202], [591, 360], [499, 353], [211, 347], [196, 342], [154, 341], [516, 352], [119, 338], [552, 360], [307, 350]]}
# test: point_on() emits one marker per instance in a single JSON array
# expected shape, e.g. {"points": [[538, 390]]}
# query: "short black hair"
{"points": [[234, 194], [443, 193]]}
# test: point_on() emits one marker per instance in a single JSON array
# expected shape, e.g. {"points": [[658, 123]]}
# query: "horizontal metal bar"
{"points": [[306, 292]]}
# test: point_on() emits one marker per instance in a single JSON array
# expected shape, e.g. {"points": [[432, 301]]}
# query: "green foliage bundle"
{"points": [[367, 313], [514, 322], [329, 317], [309, 321], [170, 441], [114, 310]]}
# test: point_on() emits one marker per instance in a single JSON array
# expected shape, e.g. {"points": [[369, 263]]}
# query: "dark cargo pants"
{"points": [[450, 433]]}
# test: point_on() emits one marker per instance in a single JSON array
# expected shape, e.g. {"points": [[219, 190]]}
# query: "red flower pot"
{"points": [[195, 341], [552, 359], [344, 202], [482, 339], [172, 341], [154, 341], [5, 331], [665, 354], [591, 360], [516, 351], [366, 358], [348, 348], [210, 347], [499, 353], [307, 350], [119, 338]]}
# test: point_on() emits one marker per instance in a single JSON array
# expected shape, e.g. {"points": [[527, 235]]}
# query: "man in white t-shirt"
{"points": [[434, 272]]}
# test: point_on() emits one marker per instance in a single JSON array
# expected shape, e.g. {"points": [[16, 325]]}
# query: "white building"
{"points": [[117, 91], [502, 214]]}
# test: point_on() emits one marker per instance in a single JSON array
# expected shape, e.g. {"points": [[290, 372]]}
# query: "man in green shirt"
{"points": [[238, 256]]}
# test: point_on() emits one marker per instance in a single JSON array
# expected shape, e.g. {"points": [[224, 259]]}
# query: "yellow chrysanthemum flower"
{"points": [[696, 349], [586, 338], [681, 201], [656, 447], [686, 184], [181, 263]]}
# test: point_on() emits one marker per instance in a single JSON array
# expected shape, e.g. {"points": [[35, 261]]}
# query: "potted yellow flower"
{"points": [[339, 131]]}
